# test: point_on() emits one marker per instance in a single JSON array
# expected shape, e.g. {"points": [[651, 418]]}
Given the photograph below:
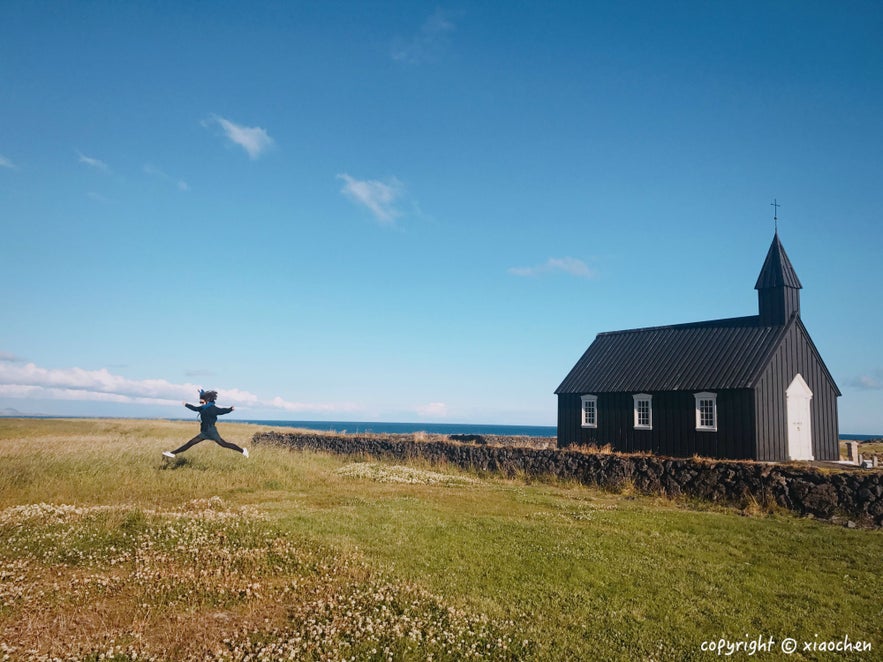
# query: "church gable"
{"points": [[796, 356], [797, 349]]}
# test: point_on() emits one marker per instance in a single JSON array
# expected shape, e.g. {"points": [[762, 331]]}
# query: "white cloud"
{"points": [[48, 393], [6, 163], [279, 403], [872, 382], [378, 197], [568, 265], [93, 163], [433, 410], [428, 44], [29, 375], [253, 139], [29, 381], [153, 171]]}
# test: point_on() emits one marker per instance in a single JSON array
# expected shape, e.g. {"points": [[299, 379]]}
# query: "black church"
{"points": [[742, 388]]}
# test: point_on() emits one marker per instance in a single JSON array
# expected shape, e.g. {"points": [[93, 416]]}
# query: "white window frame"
{"points": [[699, 398], [644, 397], [583, 418]]}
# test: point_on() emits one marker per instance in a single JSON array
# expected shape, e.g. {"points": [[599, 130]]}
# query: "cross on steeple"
{"points": [[776, 205]]}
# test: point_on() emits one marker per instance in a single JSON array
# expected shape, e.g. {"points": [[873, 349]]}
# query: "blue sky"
{"points": [[421, 211]]}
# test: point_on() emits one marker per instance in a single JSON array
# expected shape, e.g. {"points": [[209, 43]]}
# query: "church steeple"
{"points": [[778, 288]]}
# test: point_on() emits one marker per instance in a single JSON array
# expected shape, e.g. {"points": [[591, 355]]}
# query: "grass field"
{"points": [[108, 551]]}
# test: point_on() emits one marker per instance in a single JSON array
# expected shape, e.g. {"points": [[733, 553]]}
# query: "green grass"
{"points": [[107, 548]]}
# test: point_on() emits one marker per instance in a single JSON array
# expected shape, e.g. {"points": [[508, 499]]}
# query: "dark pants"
{"points": [[208, 434]]}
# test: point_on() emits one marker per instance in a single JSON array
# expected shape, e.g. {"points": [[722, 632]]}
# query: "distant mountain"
{"points": [[10, 412]]}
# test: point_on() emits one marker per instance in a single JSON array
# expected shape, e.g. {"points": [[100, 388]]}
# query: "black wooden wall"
{"points": [[674, 425]]}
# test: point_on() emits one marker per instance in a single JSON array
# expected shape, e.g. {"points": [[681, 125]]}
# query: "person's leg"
{"points": [[230, 445], [226, 444], [190, 443]]}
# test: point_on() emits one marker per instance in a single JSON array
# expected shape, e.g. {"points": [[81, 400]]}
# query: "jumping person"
{"points": [[208, 414]]}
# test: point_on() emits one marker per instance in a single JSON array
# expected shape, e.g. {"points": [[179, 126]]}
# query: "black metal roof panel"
{"points": [[777, 270], [715, 355]]}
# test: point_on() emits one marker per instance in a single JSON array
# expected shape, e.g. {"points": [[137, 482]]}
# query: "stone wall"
{"points": [[855, 495]]}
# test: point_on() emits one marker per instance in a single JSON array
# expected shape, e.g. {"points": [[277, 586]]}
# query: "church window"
{"points": [[643, 411], [706, 412], [590, 411]]}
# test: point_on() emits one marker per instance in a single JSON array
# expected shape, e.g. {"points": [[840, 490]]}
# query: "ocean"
{"points": [[406, 428]]}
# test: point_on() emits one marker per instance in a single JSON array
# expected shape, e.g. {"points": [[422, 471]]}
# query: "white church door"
{"points": [[798, 396]]}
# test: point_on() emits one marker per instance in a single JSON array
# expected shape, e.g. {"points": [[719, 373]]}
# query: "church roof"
{"points": [[714, 355], [777, 270]]}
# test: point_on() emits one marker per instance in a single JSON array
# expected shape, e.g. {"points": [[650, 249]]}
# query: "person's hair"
{"points": [[209, 396]]}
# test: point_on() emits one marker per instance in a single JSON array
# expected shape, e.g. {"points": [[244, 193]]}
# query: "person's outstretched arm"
{"points": [[191, 407], [220, 411]]}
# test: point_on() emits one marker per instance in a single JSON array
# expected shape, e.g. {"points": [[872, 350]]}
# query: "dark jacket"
{"points": [[208, 415]]}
